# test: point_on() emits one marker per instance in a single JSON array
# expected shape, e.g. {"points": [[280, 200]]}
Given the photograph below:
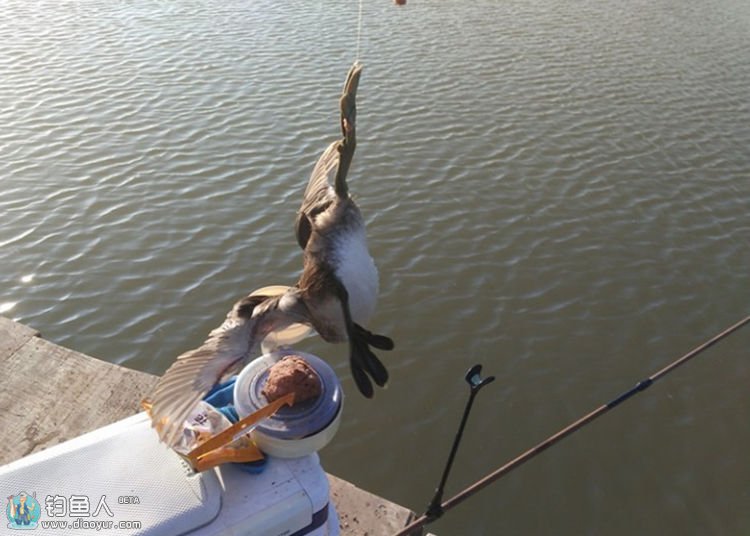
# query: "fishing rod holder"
{"points": [[474, 378]]}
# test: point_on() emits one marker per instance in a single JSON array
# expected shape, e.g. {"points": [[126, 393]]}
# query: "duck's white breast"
{"points": [[356, 269]]}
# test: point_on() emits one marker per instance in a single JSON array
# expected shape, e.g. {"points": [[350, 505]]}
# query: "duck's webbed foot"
{"points": [[364, 362]]}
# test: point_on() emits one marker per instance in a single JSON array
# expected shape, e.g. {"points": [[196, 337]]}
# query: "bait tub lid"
{"points": [[300, 420]]}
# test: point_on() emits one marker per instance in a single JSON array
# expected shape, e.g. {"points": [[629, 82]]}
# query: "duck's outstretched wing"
{"points": [[227, 347], [328, 179]]}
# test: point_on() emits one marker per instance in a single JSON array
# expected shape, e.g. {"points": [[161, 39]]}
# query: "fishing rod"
{"points": [[436, 510]]}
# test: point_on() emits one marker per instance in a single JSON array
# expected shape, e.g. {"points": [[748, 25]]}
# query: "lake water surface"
{"points": [[558, 190]]}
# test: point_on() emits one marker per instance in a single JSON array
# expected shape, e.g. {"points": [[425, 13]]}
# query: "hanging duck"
{"points": [[335, 295]]}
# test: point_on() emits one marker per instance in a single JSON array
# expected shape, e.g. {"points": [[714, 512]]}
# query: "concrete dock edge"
{"points": [[51, 394]]}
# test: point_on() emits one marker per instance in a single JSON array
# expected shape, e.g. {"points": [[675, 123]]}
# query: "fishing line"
{"points": [[359, 30], [516, 462]]}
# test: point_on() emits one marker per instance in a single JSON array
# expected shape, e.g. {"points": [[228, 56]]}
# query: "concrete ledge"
{"points": [[51, 394]]}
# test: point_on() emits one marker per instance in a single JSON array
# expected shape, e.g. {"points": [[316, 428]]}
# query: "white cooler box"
{"points": [[121, 480]]}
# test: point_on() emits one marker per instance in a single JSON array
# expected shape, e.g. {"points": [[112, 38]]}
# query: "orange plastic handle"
{"points": [[221, 455], [226, 436]]}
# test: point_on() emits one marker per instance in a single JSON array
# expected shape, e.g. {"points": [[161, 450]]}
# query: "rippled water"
{"points": [[558, 190]]}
